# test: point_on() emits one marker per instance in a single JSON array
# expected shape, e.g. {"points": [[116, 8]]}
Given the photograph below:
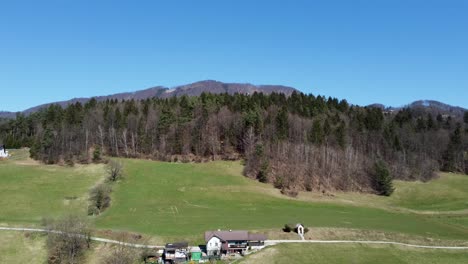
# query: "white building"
{"points": [[232, 241], [213, 246], [3, 152]]}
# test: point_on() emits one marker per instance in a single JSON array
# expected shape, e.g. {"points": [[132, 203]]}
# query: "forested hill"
{"points": [[192, 89], [296, 142]]}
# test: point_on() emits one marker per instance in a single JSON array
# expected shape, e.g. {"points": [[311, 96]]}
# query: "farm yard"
{"points": [[180, 201]]}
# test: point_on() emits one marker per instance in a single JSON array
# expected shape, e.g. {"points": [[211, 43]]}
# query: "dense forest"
{"points": [[297, 142]]}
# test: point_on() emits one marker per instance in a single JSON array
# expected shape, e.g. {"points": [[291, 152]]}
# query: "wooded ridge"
{"points": [[296, 142]]}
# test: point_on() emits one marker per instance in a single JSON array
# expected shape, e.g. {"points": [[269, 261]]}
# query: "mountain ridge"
{"points": [[426, 106], [212, 86], [191, 89]]}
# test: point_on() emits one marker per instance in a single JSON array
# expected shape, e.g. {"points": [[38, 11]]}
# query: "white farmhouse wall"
{"points": [[213, 245]]}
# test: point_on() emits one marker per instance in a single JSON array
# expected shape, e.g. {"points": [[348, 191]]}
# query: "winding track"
{"points": [[98, 239], [267, 242]]}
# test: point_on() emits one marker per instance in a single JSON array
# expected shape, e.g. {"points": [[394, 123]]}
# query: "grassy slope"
{"points": [[177, 201], [183, 200], [446, 193], [29, 191], [329, 254], [15, 247]]}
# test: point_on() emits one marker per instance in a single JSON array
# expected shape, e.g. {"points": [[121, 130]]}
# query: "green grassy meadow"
{"points": [[183, 200], [15, 247], [30, 191], [346, 253], [179, 201], [447, 193]]}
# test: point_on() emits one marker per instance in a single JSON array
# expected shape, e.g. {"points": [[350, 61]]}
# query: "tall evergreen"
{"points": [[282, 126], [383, 181]]}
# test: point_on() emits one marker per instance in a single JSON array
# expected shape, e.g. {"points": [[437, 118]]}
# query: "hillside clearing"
{"points": [[182, 200]]}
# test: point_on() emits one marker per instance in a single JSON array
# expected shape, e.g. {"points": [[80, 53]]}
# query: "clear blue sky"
{"points": [[392, 52]]}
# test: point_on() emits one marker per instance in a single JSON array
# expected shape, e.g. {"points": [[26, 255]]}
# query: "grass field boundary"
{"points": [[275, 242], [267, 242], [98, 239]]}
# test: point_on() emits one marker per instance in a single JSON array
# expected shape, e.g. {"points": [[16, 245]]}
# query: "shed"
{"points": [[175, 252], [195, 254]]}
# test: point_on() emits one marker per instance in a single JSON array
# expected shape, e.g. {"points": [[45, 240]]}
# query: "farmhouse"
{"points": [[3, 152], [225, 242]]}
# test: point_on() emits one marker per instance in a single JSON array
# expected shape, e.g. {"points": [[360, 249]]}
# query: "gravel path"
{"points": [[267, 242]]}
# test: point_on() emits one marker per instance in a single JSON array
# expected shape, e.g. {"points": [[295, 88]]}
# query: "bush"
{"points": [[289, 192], [121, 255], [70, 243], [279, 182], [99, 199], [97, 154], [114, 170], [383, 182], [287, 228]]}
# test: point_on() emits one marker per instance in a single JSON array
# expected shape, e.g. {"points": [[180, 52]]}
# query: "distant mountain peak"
{"points": [[423, 107], [192, 89]]}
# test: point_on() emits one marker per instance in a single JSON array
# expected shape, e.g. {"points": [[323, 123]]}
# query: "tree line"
{"points": [[297, 142]]}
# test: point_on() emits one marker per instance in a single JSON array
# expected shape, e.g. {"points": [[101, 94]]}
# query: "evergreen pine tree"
{"points": [[340, 134], [383, 180], [316, 135], [282, 127]]}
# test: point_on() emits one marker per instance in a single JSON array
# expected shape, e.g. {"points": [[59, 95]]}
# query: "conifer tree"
{"points": [[383, 180]]}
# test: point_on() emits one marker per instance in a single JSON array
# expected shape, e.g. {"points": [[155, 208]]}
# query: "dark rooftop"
{"points": [[177, 245]]}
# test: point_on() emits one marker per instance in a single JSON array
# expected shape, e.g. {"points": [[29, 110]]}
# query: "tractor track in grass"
{"points": [[267, 242]]}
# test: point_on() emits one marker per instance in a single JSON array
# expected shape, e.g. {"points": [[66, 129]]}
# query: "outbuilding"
{"points": [[175, 252]]}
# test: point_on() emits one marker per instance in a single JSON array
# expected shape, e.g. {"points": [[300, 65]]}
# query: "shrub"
{"points": [[97, 154], [279, 182], [69, 162], [70, 243], [114, 170], [287, 228], [99, 199], [289, 192]]}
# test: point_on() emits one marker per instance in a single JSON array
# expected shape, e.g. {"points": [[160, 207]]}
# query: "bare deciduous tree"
{"points": [[124, 254], [114, 170], [68, 240]]}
